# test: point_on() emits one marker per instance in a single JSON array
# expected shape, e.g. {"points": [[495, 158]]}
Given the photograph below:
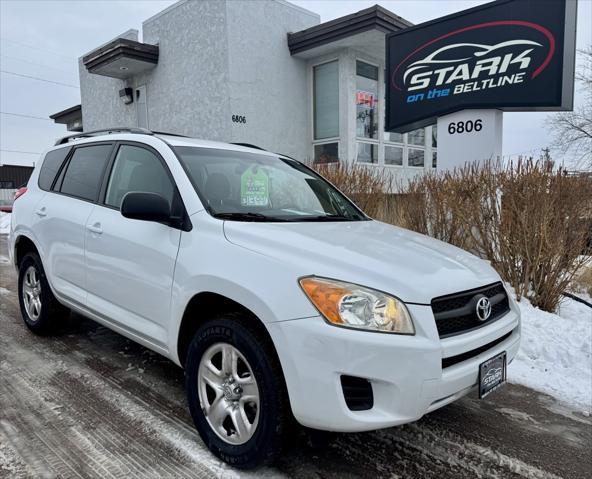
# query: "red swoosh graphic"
{"points": [[536, 26]]}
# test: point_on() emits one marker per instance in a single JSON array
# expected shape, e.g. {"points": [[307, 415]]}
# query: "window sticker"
{"points": [[254, 187]]}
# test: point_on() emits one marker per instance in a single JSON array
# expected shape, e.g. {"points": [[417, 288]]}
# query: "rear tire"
{"points": [[41, 311], [250, 393]]}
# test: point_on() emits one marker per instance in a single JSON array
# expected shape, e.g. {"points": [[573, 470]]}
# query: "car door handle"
{"points": [[41, 212], [96, 228]]}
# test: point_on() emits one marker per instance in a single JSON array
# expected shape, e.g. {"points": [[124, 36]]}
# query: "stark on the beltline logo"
{"points": [[461, 62], [470, 61]]}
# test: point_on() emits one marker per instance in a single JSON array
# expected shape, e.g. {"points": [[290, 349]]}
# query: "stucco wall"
{"points": [[188, 90], [101, 105], [217, 59], [267, 85]]}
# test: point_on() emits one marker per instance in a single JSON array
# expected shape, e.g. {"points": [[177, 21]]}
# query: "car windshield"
{"points": [[244, 186]]}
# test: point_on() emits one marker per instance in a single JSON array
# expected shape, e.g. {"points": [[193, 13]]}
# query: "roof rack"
{"points": [[106, 131]]}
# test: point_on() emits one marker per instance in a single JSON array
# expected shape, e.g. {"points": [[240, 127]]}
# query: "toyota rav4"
{"points": [[278, 296]]}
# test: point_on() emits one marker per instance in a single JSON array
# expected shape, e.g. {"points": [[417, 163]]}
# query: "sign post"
{"points": [[469, 135]]}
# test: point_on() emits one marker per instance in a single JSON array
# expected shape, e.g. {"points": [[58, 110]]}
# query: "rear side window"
{"points": [[50, 167], [84, 172]]}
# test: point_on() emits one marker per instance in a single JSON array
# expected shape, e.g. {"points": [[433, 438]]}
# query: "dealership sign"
{"points": [[513, 55]]}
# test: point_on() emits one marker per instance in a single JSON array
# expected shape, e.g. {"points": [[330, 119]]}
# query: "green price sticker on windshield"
{"points": [[254, 188]]}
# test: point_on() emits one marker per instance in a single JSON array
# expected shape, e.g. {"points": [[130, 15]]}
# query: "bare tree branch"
{"points": [[572, 131]]}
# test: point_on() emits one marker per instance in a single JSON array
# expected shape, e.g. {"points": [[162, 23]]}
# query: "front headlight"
{"points": [[353, 306]]}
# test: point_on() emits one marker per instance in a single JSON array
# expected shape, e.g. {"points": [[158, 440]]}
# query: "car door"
{"points": [[130, 263], [61, 215]]}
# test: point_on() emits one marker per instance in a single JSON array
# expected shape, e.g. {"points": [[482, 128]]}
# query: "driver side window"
{"points": [[137, 169]]}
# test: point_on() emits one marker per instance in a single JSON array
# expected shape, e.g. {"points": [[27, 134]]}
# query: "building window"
{"points": [[326, 100], [326, 153], [366, 100], [416, 137], [434, 159], [368, 153], [434, 136], [415, 157], [393, 155], [394, 137]]}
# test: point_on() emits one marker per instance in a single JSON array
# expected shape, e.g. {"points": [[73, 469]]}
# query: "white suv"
{"points": [[279, 297]]}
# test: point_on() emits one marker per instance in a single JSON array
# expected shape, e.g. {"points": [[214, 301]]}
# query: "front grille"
{"points": [[452, 360], [456, 313], [357, 393]]}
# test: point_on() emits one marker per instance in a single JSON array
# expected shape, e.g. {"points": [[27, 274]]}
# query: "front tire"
{"points": [[236, 392], [41, 311]]}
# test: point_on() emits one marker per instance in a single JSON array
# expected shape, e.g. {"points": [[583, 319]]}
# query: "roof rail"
{"points": [[106, 131], [249, 145], [166, 133]]}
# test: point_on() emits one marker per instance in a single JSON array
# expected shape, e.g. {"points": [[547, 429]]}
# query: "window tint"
{"points": [[137, 169], [50, 167], [367, 153], [416, 137], [393, 155], [415, 157], [394, 137], [326, 153], [326, 100], [366, 100], [85, 169]]}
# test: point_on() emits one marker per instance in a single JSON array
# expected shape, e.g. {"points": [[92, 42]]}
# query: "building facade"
{"points": [[12, 177], [263, 72]]}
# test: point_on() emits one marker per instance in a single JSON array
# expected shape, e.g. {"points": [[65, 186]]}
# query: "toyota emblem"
{"points": [[483, 309]]}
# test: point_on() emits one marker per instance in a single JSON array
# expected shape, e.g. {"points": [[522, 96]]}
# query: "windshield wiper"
{"points": [[249, 216], [323, 218]]}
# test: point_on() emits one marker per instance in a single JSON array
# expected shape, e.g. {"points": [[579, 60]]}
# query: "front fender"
{"points": [[207, 262]]}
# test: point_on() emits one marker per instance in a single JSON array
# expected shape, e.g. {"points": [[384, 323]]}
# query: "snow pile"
{"points": [[4, 223], [555, 354]]}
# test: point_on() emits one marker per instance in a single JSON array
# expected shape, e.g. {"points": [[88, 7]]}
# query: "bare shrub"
{"points": [[366, 186], [531, 222], [429, 205]]}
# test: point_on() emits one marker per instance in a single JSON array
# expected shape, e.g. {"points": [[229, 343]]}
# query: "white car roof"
{"points": [[196, 142]]}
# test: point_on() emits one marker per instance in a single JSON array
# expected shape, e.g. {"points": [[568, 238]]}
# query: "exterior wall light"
{"points": [[126, 95]]}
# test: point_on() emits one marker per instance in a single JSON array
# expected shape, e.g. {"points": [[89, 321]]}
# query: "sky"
{"points": [[44, 38]]}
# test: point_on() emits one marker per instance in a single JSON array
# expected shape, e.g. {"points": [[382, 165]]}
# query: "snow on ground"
{"points": [[555, 354], [4, 222]]}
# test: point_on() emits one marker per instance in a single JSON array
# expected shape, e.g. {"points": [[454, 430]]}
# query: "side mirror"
{"points": [[143, 206]]}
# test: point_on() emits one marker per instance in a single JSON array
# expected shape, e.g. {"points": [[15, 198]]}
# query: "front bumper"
{"points": [[405, 372]]}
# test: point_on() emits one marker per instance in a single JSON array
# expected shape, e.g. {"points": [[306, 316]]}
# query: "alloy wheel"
{"points": [[32, 293], [228, 393]]}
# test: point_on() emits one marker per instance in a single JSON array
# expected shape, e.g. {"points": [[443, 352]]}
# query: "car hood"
{"points": [[411, 266]]}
